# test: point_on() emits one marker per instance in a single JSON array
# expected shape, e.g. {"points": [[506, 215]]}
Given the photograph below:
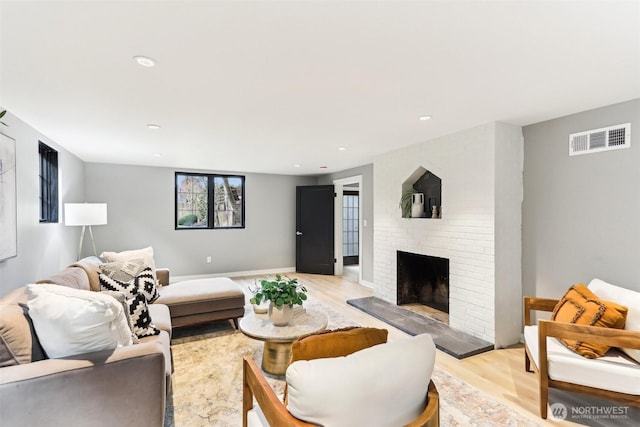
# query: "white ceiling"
{"points": [[263, 86]]}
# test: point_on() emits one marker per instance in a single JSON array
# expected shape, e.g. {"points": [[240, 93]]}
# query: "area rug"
{"points": [[207, 382]]}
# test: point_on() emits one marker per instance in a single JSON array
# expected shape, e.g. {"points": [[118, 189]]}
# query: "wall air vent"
{"points": [[603, 139]]}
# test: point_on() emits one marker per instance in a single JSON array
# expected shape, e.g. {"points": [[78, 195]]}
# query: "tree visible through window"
{"points": [[192, 201], [209, 201]]}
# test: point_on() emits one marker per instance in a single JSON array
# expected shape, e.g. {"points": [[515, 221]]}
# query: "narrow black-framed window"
{"points": [[48, 183], [350, 224], [209, 201]]}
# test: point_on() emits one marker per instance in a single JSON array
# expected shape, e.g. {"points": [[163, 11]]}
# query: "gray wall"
{"points": [[43, 249], [141, 213], [581, 214], [366, 198]]}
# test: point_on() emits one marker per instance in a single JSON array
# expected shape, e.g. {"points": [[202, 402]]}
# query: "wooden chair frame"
{"points": [[254, 384], [593, 334]]}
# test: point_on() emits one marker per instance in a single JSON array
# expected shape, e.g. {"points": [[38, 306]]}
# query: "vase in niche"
{"points": [[434, 211], [417, 205]]}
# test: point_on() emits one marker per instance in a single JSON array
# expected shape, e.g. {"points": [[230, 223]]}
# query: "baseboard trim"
{"points": [[367, 284], [233, 274]]}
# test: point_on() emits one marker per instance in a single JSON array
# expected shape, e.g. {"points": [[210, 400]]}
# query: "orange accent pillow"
{"points": [[582, 307]]}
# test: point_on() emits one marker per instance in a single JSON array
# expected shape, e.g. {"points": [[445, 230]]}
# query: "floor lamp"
{"points": [[85, 214]]}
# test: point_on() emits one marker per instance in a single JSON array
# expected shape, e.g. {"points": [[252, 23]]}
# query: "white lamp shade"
{"points": [[85, 213]]}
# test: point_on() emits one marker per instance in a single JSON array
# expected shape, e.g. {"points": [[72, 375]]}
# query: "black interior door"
{"points": [[314, 229]]}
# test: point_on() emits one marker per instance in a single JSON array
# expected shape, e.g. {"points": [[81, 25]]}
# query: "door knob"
{"points": [[298, 233]]}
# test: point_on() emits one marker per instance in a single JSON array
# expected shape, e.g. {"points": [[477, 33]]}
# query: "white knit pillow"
{"points": [[73, 321], [384, 385], [145, 254]]}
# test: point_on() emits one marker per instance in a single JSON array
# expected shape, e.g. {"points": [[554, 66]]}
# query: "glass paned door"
{"points": [[350, 224]]}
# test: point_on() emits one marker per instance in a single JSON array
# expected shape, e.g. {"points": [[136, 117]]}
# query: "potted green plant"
{"points": [[263, 306], [405, 202], [283, 293]]}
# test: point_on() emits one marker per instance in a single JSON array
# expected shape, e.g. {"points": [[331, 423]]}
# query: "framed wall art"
{"points": [[8, 215]]}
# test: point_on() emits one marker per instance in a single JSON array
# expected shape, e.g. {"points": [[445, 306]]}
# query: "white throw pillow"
{"points": [[145, 254], [384, 385], [622, 296], [73, 321]]}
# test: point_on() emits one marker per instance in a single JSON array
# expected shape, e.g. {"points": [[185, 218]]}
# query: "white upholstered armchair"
{"points": [[615, 376], [384, 385]]}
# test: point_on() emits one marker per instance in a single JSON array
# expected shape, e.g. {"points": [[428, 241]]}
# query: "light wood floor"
{"points": [[499, 373]]}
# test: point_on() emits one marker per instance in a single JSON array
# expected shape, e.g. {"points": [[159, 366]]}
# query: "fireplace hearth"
{"points": [[423, 279]]}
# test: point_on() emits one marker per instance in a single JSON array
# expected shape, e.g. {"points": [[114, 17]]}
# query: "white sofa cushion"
{"points": [[71, 321], [615, 371], [622, 296], [384, 385]]}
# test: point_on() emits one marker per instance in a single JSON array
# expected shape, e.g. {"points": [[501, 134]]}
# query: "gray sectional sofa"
{"points": [[126, 386]]}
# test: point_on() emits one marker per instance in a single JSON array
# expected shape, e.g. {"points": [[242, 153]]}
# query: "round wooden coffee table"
{"points": [[278, 339]]}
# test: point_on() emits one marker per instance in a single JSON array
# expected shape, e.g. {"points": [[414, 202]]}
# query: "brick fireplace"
{"points": [[479, 231]]}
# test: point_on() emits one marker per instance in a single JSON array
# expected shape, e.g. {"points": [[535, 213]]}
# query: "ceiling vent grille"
{"points": [[603, 139]]}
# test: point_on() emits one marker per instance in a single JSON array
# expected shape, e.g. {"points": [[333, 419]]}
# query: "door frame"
{"points": [[339, 190]]}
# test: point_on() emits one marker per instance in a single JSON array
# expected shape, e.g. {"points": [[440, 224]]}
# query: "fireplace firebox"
{"points": [[423, 279]]}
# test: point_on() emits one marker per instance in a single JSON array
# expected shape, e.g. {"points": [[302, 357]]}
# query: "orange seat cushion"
{"points": [[582, 307]]}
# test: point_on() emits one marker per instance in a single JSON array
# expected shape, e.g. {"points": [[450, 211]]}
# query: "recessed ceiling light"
{"points": [[153, 126], [341, 148], [323, 167], [157, 154], [425, 118], [296, 166], [145, 61]]}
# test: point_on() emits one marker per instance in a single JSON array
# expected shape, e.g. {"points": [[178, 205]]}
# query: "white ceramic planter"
{"points": [[417, 205], [261, 308], [280, 316]]}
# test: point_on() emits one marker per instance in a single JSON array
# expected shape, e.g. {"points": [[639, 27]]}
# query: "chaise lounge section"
{"points": [[190, 302], [193, 302]]}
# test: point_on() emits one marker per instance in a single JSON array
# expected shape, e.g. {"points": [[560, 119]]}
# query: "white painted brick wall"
{"points": [[465, 235]]}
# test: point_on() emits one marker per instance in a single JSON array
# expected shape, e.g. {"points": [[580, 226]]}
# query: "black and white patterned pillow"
{"points": [[144, 283], [142, 324], [136, 301]]}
